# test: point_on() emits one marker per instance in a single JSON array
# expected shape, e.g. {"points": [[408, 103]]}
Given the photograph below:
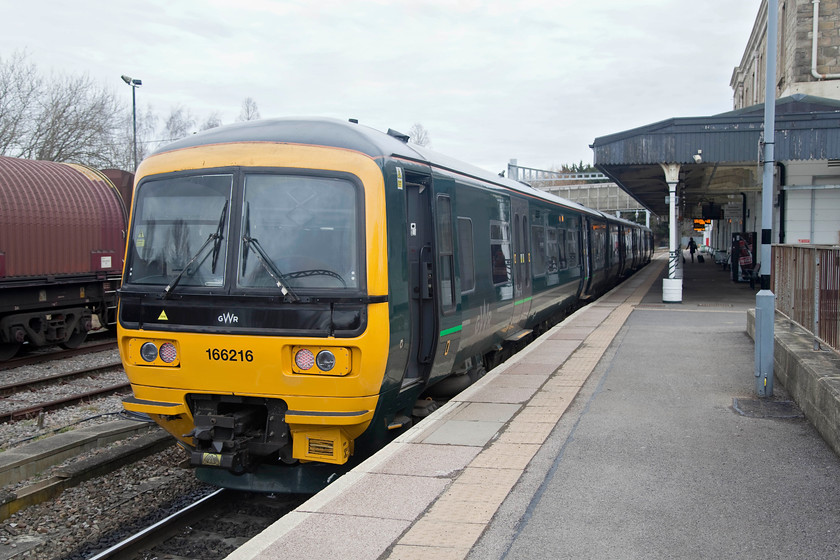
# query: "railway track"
{"points": [[30, 410], [55, 353], [211, 527], [35, 410]]}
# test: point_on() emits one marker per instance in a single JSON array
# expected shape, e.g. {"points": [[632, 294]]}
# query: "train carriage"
{"points": [[293, 287]]}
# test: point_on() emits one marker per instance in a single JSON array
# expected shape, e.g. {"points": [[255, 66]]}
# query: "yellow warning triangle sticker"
{"points": [[162, 316]]}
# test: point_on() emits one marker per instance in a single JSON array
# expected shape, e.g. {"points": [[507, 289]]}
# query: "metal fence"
{"points": [[806, 282]]}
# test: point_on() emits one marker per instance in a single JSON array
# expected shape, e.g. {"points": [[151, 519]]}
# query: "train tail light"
{"points": [[168, 353], [304, 359]]}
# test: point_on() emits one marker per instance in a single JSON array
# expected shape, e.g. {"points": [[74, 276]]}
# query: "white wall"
{"points": [[812, 215]]}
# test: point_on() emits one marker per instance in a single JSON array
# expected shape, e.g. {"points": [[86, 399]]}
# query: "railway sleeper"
{"points": [[238, 433]]}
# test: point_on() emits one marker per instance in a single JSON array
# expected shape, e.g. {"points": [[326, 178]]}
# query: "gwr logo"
{"points": [[228, 318]]}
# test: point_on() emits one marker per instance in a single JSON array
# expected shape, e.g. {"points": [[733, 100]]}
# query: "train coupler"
{"points": [[236, 433]]}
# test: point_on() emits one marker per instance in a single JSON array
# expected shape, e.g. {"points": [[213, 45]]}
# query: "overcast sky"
{"points": [[535, 80]]}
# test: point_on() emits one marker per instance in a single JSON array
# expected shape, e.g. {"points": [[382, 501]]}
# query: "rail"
{"points": [[806, 282]]}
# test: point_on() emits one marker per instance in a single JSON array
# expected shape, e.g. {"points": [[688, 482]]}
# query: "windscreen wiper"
{"points": [[217, 237], [168, 289], [254, 245], [217, 245]]}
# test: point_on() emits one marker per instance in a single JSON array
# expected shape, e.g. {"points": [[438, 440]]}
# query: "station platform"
{"points": [[630, 430]]}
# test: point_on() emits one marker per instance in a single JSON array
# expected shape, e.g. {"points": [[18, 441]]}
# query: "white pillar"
{"points": [[672, 286]]}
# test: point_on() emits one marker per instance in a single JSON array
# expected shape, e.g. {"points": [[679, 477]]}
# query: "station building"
{"points": [[713, 164]]}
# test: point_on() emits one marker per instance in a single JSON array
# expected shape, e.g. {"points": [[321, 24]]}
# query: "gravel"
{"points": [[102, 511], [99, 513], [102, 409]]}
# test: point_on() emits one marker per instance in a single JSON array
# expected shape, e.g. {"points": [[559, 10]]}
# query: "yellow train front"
{"points": [[254, 318]]}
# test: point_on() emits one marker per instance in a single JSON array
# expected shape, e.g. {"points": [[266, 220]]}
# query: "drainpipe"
{"points": [[782, 201], [743, 212], [814, 38]]}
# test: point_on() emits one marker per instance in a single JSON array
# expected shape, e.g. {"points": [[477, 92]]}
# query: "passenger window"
{"points": [[562, 247], [538, 250], [572, 248], [500, 252], [465, 254], [552, 251], [445, 253]]}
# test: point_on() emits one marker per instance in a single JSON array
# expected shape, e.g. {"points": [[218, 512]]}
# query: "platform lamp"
{"points": [[134, 83]]}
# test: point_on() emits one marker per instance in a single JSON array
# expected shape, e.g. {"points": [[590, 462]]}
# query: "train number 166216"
{"points": [[231, 355]]}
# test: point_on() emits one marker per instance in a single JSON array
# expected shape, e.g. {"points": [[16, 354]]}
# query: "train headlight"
{"points": [[322, 360], [325, 360], [149, 352], [304, 359], [168, 353]]}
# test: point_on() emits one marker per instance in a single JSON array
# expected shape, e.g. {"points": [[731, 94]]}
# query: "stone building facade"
{"points": [[807, 63]]}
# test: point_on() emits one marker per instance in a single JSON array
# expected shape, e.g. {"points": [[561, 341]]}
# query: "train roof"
{"points": [[321, 131]]}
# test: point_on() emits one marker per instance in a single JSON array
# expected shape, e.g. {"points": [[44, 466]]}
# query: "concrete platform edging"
{"points": [[811, 377], [31, 459]]}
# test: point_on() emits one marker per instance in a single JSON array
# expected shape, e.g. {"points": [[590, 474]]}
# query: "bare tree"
{"points": [[249, 111], [20, 86], [122, 147], [76, 122], [73, 119], [70, 119], [212, 121], [419, 135], [147, 122], [179, 123]]}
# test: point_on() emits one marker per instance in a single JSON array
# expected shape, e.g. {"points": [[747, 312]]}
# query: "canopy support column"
{"points": [[672, 286]]}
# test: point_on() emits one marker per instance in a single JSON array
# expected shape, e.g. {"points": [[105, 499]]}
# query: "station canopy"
{"points": [[720, 155]]}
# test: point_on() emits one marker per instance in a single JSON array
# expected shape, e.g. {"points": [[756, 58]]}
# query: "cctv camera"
{"points": [[698, 158]]}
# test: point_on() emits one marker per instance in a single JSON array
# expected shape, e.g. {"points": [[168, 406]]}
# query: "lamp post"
{"points": [[134, 83]]}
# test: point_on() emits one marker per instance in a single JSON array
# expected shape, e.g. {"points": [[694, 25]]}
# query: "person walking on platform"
{"points": [[692, 247]]}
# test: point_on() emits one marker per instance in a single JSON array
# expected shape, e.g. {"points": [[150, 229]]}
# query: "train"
{"points": [[62, 243], [297, 292]]}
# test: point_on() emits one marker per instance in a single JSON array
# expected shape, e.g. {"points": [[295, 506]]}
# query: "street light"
{"points": [[134, 83]]}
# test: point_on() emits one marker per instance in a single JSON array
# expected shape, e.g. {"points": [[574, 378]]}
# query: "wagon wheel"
{"points": [[75, 340], [8, 350]]}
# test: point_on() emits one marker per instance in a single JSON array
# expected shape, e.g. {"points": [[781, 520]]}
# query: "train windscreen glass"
{"points": [[299, 231], [180, 232]]}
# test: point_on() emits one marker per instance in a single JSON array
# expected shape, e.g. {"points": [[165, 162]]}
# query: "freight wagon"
{"points": [[62, 240]]}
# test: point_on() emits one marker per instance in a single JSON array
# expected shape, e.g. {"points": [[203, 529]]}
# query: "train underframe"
{"points": [[60, 313]]}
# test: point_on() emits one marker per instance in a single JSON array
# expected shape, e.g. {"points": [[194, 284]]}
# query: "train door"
{"points": [[585, 265], [521, 261], [421, 267], [621, 239]]}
